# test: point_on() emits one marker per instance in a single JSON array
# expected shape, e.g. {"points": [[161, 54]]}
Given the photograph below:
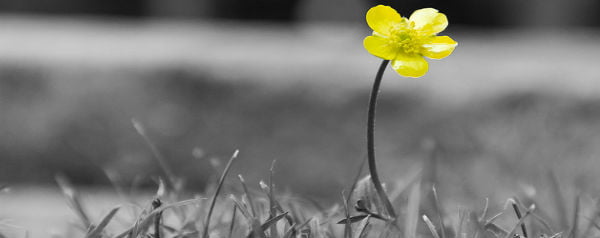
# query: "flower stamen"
{"points": [[406, 40]]}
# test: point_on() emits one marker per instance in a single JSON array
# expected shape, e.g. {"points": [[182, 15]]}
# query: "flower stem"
{"points": [[371, 141]]}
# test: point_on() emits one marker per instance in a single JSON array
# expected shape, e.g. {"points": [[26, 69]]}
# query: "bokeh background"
{"points": [[289, 81]]}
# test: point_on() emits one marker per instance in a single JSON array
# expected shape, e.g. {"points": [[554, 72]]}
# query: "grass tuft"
{"points": [[262, 213]]}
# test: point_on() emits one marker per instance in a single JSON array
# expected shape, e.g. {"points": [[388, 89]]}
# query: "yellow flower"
{"points": [[406, 41]]}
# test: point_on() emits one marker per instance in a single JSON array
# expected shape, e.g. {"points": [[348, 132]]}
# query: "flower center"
{"points": [[406, 39]]}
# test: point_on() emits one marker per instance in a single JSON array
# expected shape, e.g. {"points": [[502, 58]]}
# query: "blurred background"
{"points": [[289, 81]]}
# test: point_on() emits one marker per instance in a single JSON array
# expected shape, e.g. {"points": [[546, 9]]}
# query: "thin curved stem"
{"points": [[371, 140]]}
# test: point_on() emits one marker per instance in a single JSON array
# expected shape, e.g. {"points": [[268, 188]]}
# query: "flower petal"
{"points": [[413, 66], [379, 47], [429, 21], [381, 18], [439, 47]]}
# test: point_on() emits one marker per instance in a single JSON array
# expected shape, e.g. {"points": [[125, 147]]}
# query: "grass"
{"points": [[264, 213], [244, 210]]}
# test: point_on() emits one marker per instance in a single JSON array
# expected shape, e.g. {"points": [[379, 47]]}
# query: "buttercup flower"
{"points": [[405, 41]]}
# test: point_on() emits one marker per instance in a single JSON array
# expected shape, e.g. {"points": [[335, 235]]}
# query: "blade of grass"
{"points": [[248, 196], [232, 223], [279, 209], [518, 214], [495, 229], [494, 217], [97, 231], [489, 224], [361, 228], [214, 198], [304, 224], [521, 220], [573, 233], [544, 223], [240, 206], [558, 199], [475, 227], [73, 200], [412, 213], [256, 231], [271, 223], [315, 227], [117, 184], [157, 219], [353, 219], [297, 214], [404, 184], [461, 222], [347, 224], [430, 147], [430, 226], [485, 210], [272, 210], [557, 235], [157, 154], [355, 180], [439, 211], [290, 232]]}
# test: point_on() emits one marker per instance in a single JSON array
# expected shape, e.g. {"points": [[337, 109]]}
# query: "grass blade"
{"points": [[241, 207], [290, 232], [574, 226], [559, 200], [256, 231], [214, 198], [404, 184], [353, 219], [272, 210], [495, 229], [485, 210], [518, 213], [347, 224], [73, 200], [248, 196], [430, 226], [544, 223], [157, 155], [232, 224], [271, 222], [97, 231], [355, 180], [360, 231], [521, 220], [412, 213], [439, 211]]}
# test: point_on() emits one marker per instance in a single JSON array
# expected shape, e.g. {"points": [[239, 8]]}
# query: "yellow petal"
{"points": [[379, 47], [439, 47], [413, 66], [381, 19], [429, 21]]}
